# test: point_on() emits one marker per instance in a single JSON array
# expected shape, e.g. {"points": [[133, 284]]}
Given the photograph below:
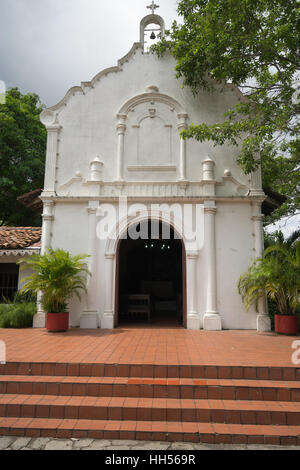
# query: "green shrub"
{"points": [[57, 275], [17, 315], [276, 276], [25, 297]]}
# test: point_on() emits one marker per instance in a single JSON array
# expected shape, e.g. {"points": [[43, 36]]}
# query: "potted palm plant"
{"points": [[57, 276], [277, 276]]}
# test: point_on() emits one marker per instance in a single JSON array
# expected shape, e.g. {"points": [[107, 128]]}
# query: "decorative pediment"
{"points": [[149, 127], [152, 95]]}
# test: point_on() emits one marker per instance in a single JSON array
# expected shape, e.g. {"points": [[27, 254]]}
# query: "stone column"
{"points": [[48, 218], [212, 319], [39, 320], [51, 157], [89, 317], [121, 128], [107, 321], [193, 319], [182, 155], [263, 321]]}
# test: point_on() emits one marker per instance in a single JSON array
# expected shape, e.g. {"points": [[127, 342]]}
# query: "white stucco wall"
{"points": [[235, 251], [129, 118], [23, 273], [89, 121], [234, 248]]}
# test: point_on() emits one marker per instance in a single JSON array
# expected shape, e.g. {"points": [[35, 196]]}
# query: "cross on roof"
{"points": [[153, 7]]}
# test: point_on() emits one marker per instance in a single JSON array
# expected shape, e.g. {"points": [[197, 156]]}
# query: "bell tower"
{"points": [[151, 27]]}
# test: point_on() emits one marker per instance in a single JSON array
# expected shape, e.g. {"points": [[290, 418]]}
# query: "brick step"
{"points": [[225, 389], [150, 370], [212, 433], [156, 409]]}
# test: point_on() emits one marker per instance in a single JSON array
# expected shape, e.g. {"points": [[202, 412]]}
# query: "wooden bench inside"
{"points": [[137, 306]]}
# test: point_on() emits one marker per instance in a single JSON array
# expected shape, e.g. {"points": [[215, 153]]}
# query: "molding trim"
{"points": [[152, 168], [81, 90], [257, 217], [123, 224], [109, 255], [178, 198], [47, 217], [153, 96], [25, 252], [192, 254]]}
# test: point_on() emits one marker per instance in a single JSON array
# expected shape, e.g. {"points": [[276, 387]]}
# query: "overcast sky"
{"points": [[48, 46]]}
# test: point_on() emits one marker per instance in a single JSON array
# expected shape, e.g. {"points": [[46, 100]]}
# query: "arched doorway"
{"points": [[151, 276]]}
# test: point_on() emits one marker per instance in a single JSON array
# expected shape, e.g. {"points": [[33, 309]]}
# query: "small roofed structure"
{"points": [[20, 238], [15, 244]]}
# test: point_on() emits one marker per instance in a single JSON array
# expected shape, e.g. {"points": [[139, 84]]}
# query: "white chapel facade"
{"points": [[116, 163]]}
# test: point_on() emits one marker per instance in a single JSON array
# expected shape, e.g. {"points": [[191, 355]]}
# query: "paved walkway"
{"points": [[150, 346], [46, 443], [151, 389]]}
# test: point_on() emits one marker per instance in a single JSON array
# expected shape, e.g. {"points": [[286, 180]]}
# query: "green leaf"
{"points": [[22, 156], [57, 275], [253, 44]]}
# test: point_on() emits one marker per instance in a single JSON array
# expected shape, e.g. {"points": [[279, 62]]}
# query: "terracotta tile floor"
{"points": [[131, 345]]}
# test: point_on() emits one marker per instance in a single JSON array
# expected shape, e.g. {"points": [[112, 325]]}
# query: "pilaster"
{"points": [[182, 124], [39, 320], [107, 320], [90, 317], [121, 128], [51, 159], [48, 218], [212, 319], [263, 321], [193, 318]]}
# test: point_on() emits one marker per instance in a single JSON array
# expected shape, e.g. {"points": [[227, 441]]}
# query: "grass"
{"points": [[17, 314]]}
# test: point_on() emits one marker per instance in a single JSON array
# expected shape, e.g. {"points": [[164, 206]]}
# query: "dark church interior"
{"points": [[150, 276]]}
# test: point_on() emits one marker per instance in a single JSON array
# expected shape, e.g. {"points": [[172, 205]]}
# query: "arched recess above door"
{"points": [[152, 94], [126, 222], [151, 123]]}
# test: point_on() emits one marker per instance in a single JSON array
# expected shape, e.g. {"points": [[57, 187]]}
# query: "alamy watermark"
{"points": [[141, 221], [2, 352], [296, 353], [2, 92]]}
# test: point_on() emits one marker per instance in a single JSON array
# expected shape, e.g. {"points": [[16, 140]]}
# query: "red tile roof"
{"points": [[17, 238]]}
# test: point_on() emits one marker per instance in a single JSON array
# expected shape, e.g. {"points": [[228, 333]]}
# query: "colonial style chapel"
{"points": [[116, 166]]}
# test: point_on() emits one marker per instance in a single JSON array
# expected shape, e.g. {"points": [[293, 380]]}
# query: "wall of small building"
{"points": [[23, 273]]}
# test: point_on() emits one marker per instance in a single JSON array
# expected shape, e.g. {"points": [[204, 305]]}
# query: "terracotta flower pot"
{"points": [[57, 322], [286, 324]]}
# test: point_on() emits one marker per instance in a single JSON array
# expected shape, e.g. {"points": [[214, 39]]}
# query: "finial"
{"points": [[153, 7]]}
